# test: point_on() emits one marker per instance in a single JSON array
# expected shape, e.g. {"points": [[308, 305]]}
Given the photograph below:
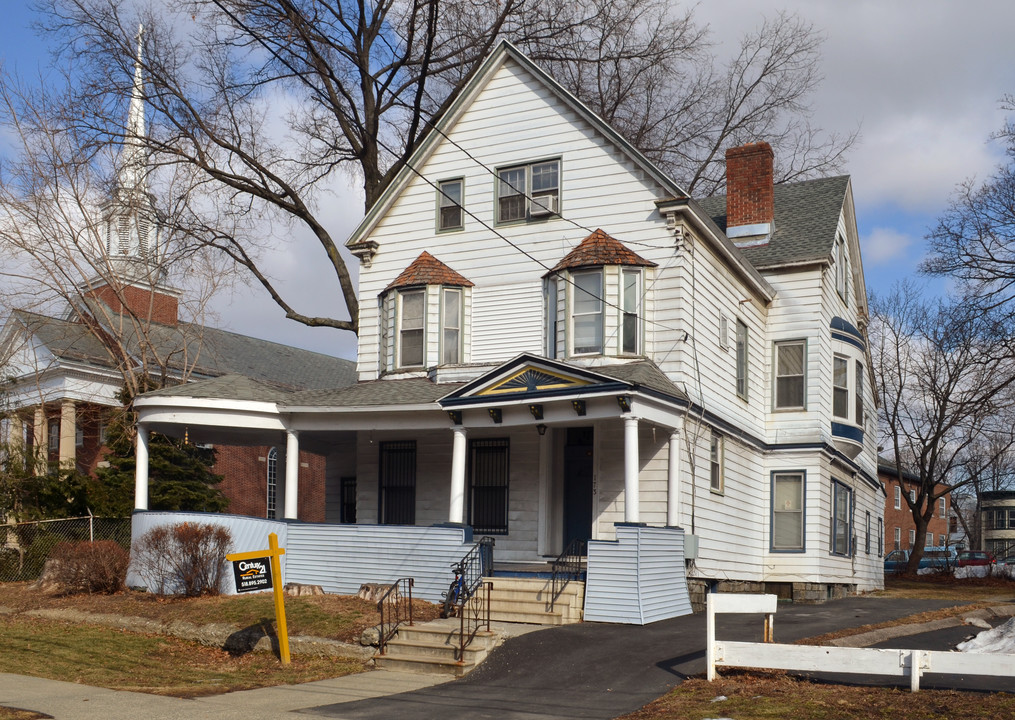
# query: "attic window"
{"points": [[450, 215], [528, 192]]}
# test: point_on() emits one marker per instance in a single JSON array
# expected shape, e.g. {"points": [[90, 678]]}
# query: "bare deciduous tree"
{"points": [[262, 100], [944, 372]]}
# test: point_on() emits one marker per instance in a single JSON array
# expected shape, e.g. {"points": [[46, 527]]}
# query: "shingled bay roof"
{"points": [[600, 249], [428, 270], [805, 223]]}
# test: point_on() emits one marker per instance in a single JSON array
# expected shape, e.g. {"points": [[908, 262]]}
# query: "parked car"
{"points": [[974, 557], [1010, 560], [939, 557]]}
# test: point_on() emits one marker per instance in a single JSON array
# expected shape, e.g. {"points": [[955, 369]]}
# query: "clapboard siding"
{"points": [[638, 578]]}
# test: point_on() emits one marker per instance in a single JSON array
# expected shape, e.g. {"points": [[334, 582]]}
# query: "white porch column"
{"points": [[292, 474], [456, 514], [673, 481], [40, 448], [68, 434], [141, 469], [631, 498]]}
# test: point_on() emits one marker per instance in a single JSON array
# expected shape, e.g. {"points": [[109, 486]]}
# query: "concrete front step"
{"points": [[432, 648], [527, 600]]}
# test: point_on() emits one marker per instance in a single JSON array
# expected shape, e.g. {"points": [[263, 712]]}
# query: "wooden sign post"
{"points": [[251, 574]]}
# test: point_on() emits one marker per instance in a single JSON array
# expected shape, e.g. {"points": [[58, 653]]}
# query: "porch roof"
{"points": [[372, 393]]}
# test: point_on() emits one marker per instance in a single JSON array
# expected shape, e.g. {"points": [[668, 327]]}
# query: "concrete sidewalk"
{"points": [[590, 670]]}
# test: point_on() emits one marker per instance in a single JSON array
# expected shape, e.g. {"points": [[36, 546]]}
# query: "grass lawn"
{"points": [[122, 660]]}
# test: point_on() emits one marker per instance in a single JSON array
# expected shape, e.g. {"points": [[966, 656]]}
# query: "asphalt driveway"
{"points": [[597, 670]]}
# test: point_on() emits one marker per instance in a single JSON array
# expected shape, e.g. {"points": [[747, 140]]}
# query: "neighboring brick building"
{"points": [[900, 530]]}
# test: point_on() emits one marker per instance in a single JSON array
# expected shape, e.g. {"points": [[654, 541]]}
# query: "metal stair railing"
{"points": [[567, 567], [473, 604], [395, 607]]}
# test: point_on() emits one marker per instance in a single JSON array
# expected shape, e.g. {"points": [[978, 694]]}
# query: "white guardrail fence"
{"points": [[814, 658]]}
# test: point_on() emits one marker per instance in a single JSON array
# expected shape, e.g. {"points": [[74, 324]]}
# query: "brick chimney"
{"points": [[749, 182]]}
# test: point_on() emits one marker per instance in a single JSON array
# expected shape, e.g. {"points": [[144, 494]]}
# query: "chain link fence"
{"points": [[25, 547]]}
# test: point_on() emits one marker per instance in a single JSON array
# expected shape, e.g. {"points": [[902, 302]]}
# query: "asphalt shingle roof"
{"points": [[410, 391], [806, 219], [644, 373], [226, 387], [203, 351]]}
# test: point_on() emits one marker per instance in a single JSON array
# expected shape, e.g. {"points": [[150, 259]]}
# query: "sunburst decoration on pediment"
{"points": [[531, 379]]}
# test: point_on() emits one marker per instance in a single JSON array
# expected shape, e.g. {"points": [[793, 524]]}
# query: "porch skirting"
{"points": [[339, 558], [639, 578]]}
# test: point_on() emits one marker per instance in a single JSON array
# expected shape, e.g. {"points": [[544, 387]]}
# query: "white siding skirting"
{"points": [[639, 578], [339, 558]]}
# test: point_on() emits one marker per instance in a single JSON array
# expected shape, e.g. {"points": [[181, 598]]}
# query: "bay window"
{"points": [[630, 301], [451, 326], [840, 387], [842, 524], [587, 313], [410, 328]]}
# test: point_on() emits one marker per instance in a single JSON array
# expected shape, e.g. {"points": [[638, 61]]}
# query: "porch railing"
{"points": [[395, 607], [567, 567]]}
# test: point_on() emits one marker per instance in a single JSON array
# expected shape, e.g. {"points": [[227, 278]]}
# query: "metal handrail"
{"points": [[567, 567], [473, 615], [395, 607], [472, 605]]}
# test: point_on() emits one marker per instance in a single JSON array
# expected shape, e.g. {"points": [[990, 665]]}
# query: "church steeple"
{"points": [[133, 280], [131, 224]]}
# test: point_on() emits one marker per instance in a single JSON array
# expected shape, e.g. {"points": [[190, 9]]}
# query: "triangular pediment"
{"points": [[529, 376]]}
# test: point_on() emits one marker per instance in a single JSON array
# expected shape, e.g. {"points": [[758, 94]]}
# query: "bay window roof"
{"points": [[428, 270], [600, 249]]}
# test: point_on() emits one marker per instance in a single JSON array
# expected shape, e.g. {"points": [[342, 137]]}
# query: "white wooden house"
{"points": [[557, 342]]}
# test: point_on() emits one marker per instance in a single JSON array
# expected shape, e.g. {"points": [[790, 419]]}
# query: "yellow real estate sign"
{"points": [[256, 570]]}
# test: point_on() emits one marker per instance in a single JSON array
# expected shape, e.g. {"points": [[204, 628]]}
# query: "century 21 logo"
{"points": [[252, 569]]}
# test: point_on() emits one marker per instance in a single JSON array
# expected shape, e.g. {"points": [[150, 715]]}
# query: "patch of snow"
{"points": [[977, 622], [972, 571], [998, 640], [928, 571]]}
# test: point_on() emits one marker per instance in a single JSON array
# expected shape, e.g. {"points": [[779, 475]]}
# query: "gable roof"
{"points": [[600, 249], [504, 52], [805, 223], [226, 387], [428, 270], [204, 351]]}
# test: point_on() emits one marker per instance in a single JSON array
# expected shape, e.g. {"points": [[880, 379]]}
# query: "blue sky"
{"points": [[922, 78]]}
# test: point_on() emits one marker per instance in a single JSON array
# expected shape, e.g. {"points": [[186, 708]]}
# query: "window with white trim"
{"points": [[271, 472], [450, 215], [528, 192], [79, 436], [840, 267], [587, 312], [741, 359], [842, 519], [54, 435], [840, 387], [410, 328], [898, 497], [930, 539], [867, 540], [788, 511], [724, 332], [451, 326], [550, 307], [912, 539], [789, 375], [717, 463], [881, 536], [912, 495], [858, 399], [898, 538], [630, 298], [942, 507]]}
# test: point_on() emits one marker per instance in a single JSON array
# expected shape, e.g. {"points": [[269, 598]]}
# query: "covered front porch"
{"points": [[535, 453]]}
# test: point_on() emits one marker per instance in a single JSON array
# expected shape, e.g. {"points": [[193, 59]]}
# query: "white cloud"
{"points": [[884, 246]]}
